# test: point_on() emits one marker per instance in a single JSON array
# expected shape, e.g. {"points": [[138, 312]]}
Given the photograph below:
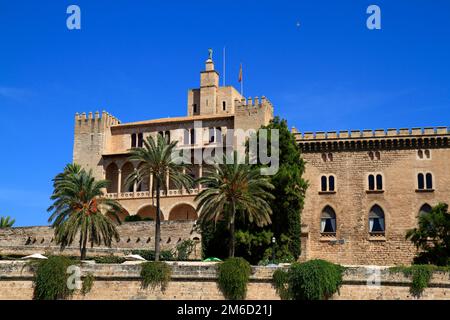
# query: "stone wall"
{"points": [[133, 235], [350, 161], [197, 281]]}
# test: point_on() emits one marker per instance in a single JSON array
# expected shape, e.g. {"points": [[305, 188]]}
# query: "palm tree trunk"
{"points": [[83, 247], [232, 225], [158, 222]]}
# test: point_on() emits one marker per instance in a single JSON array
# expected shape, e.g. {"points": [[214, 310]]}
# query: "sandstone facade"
{"points": [[404, 159]]}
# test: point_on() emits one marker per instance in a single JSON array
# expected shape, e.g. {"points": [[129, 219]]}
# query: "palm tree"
{"points": [[6, 222], [231, 189], [160, 160], [80, 208]]}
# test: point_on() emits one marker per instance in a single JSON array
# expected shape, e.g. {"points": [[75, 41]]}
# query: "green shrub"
{"points": [[281, 283], [109, 259], [312, 280], [155, 273], [184, 249], [88, 282], [420, 276], [50, 278], [134, 218], [165, 255], [233, 277]]}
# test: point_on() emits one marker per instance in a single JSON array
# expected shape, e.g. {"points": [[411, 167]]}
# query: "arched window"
{"points": [[377, 155], [324, 157], [371, 155], [127, 170], [331, 183], [371, 182], [429, 181], [140, 140], [330, 157], [427, 154], [425, 209], [133, 140], [420, 181], [379, 182], [420, 154], [167, 136], [376, 220], [212, 134], [224, 106], [328, 220], [323, 182]]}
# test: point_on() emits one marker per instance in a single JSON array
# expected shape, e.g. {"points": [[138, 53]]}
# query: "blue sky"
{"points": [[137, 59]]}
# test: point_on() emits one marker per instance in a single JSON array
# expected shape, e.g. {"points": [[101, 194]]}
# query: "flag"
{"points": [[240, 73]]}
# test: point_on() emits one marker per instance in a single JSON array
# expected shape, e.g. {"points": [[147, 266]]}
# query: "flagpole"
{"points": [[224, 66], [242, 83]]}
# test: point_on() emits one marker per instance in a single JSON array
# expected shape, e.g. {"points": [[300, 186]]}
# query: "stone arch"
{"points": [[112, 175], [328, 220], [149, 211], [144, 185], [183, 212], [127, 169]]}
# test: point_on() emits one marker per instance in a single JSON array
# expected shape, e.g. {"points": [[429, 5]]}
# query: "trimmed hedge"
{"points": [[233, 276]]}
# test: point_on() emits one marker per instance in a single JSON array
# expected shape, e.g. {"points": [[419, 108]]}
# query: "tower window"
{"points": [[379, 182], [420, 181], [324, 183], [133, 140], [375, 182], [327, 183], [371, 182], [424, 154], [140, 140], [425, 181], [194, 107], [224, 105], [429, 181], [331, 183]]}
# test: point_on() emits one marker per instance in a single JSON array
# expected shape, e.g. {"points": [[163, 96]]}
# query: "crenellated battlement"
{"points": [[252, 103], [431, 137], [368, 133], [104, 117]]}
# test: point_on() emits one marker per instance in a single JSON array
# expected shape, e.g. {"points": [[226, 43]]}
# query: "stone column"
{"points": [[119, 184]]}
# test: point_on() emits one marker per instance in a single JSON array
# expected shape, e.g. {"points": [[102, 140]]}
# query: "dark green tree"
{"points": [[288, 200], [432, 236]]}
